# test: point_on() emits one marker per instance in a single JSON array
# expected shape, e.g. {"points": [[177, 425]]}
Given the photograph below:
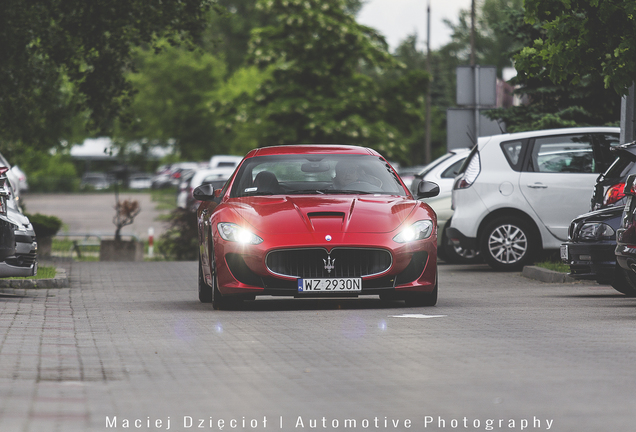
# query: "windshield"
{"points": [[316, 174]]}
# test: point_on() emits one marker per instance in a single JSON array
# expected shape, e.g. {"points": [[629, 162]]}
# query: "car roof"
{"points": [[311, 149], [549, 132]]}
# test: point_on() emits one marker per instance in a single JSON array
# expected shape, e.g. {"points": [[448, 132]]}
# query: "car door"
{"points": [[559, 178]]}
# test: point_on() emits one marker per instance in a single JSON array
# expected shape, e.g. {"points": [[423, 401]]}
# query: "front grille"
{"points": [[318, 263], [22, 260]]}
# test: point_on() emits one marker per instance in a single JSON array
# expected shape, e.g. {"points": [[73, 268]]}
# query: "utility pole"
{"points": [[428, 157], [475, 68], [472, 33]]}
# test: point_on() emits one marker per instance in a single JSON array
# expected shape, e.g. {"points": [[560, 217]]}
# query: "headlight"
{"points": [[596, 231], [418, 231], [234, 233]]}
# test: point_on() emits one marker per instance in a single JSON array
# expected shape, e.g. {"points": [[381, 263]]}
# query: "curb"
{"points": [[59, 281], [544, 275]]}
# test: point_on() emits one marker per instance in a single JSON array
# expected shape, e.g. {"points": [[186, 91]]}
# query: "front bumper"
{"points": [[413, 269], [23, 262], [591, 261]]}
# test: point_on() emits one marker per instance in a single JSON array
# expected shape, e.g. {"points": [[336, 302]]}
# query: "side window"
{"points": [[453, 170], [560, 154], [603, 155], [513, 150]]}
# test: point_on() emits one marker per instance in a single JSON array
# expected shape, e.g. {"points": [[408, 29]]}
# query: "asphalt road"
{"points": [[93, 213], [129, 347]]}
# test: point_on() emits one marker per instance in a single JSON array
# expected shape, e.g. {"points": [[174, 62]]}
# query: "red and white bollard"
{"points": [[151, 247]]}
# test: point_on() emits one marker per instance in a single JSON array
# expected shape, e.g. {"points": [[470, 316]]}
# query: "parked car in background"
{"points": [[171, 175], [224, 161], [590, 249], [22, 261], [626, 236], [409, 174], [215, 176], [517, 193], [443, 171], [591, 245], [139, 181], [17, 178], [311, 220], [95, 181], [608, 190], [7, 227]]}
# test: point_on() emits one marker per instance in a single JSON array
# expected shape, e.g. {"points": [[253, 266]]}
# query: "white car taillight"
{"points": [[470, 174]]}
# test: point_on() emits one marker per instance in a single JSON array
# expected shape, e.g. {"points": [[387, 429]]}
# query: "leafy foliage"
{"points": [[316, 52], [174, 89], [43, 225], [553, 105], [582, 39], [68, 56], [179, 242]]}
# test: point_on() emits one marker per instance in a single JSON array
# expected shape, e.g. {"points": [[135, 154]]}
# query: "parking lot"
{"points": [[129, 347]]}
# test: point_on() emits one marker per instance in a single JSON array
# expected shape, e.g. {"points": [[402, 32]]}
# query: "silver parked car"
{"points": [[443, 171], [23, 260], [517, 193]]}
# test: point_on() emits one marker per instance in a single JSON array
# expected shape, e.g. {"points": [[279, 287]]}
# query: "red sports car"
{"points": [[316, 220]]}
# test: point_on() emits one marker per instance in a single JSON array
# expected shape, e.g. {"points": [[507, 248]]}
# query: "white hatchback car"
{"points": [[517, 193], [442, 171]]}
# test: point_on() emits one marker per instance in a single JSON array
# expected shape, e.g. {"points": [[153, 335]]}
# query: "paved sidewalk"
{"points": [[129, 347]]}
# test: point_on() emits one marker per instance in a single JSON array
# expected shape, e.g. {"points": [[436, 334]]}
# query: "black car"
{"points": [[608, 190], [590, 249], [591, 245], [626, 235]]}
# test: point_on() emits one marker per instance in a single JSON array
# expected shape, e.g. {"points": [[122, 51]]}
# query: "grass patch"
{"points": [[164, 199], [554, 266], [44, 272]]}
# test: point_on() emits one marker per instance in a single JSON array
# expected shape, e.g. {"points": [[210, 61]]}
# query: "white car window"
{"points": [[573, 153]]}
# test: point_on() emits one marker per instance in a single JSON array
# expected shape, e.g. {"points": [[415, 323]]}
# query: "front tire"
{"points": [[625, 281], [509, 243], [205, 291], [423, 299]]}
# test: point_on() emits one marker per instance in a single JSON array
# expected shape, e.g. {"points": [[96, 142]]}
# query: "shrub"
{"points": [[180, 241], [44, 226]]}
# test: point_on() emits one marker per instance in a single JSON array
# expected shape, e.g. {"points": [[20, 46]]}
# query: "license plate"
{"points": [[330, 285], [564, 252]]}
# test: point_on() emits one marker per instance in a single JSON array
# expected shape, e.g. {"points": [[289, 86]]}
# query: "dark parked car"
{"points": [[608, 190], [592, 236], [626, 236], [590, 248]]}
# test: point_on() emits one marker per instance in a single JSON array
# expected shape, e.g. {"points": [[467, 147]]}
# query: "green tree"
{"points": [[64, 57], [172, 101], [493, 45], [582, 40], [317, 53], [548, 105]]}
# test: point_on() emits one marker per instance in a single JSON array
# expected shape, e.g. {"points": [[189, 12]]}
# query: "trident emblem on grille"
{"points": [[329, 263]]}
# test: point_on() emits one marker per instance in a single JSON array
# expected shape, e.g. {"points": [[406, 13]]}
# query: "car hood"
{"points": [[601, 215], [354, 214]]}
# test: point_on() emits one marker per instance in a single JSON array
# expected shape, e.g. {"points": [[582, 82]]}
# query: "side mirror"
{"points": [[427, 189], [205, 192]]}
